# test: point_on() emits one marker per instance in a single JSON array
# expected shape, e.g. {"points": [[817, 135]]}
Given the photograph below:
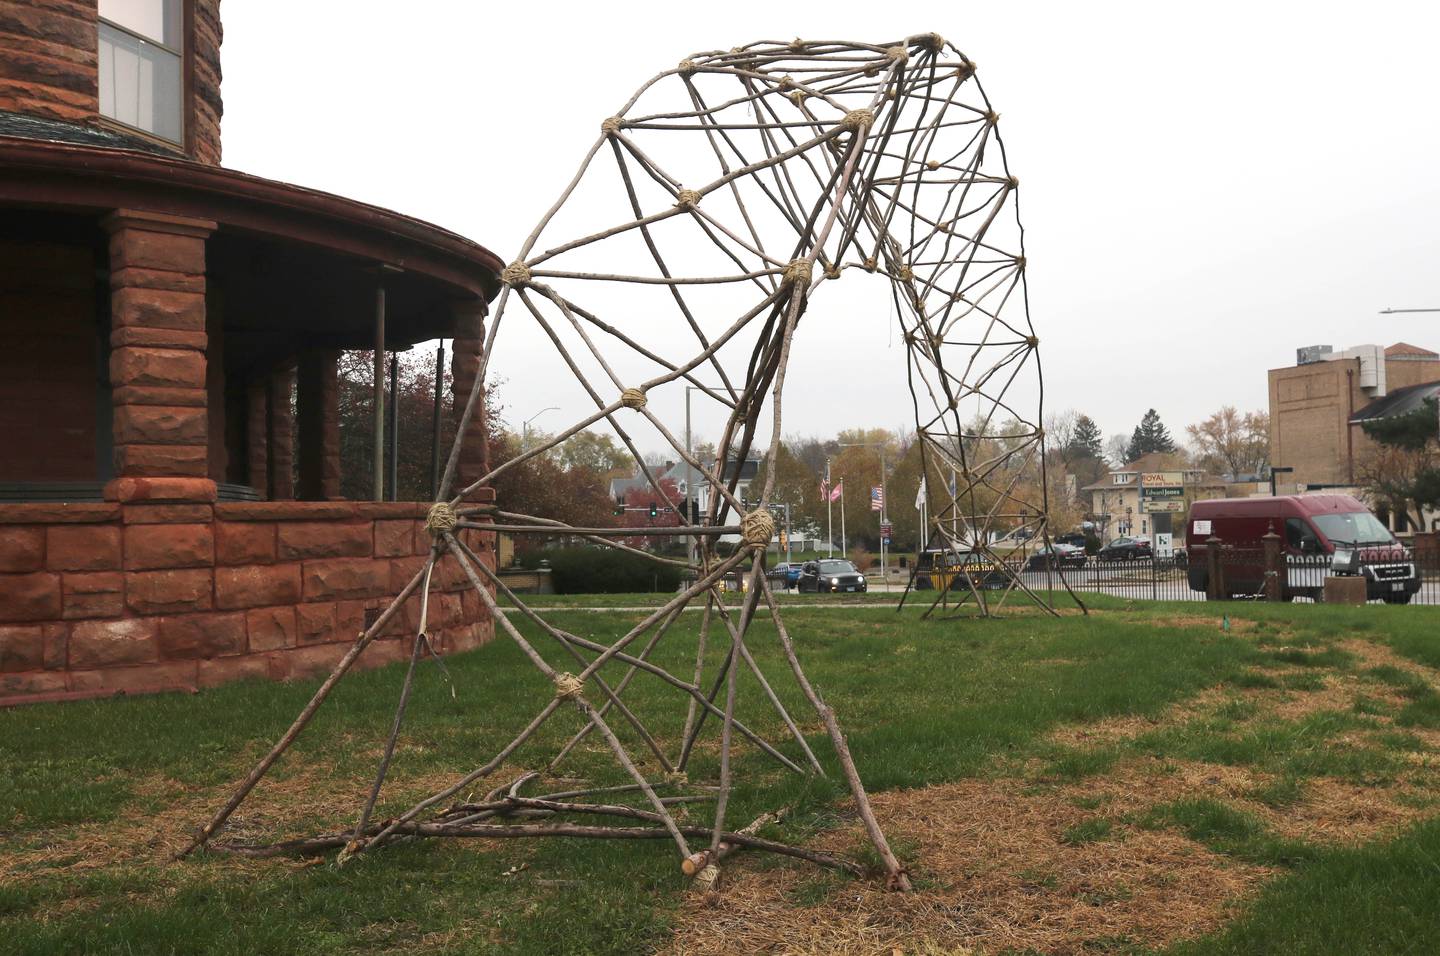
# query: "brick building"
{"points": [[1316, 406], [169, 437]]}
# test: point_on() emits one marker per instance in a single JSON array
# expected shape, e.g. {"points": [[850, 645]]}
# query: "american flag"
{"points": [[877, 498]]}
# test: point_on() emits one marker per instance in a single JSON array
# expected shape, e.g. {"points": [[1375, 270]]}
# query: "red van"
{"points": [[1307, 525]]}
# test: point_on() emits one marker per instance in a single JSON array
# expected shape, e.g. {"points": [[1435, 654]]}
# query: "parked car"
{"points": [[828, 575], [1125, 549], [785, 575], [1311, 527], [1059, 556], [1076, 538]]}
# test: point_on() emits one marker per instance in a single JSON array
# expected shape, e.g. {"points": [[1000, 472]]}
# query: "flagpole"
{"points": [[829, 511], [843, 551]]}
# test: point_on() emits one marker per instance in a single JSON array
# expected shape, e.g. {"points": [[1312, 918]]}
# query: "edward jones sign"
{"points": [[1162, 492]]}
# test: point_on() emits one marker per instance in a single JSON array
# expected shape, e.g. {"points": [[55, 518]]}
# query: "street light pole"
{"points": [[525, 426], [1392, 312]]}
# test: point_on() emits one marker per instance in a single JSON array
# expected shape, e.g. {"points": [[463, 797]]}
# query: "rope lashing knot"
{"points": [[898, 53], [935, 41], [633, 398], [1032, 340], [515, 274], [799, 270], [568, 686], [688, 198], [611, 126], [965, 70], [440, 519], [687, 67], [796, 45], [859, 119], [906, 274], [933, 165], [797, 97], [992, 117], [936, 341], [870, 264], [706, 880], [832, 271], [1013, 182], [787, 82], [757, 528], [677, 778]]}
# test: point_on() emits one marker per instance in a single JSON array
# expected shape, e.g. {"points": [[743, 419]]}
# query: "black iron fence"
{"points": [[1219, 571]]}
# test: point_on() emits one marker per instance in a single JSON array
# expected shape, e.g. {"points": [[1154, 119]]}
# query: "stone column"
{"points": [[157, 338], [318, 408], [464, 365], [257, 434], [281, 433]]}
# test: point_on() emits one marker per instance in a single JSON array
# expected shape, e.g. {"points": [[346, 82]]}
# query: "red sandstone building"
{"points": [[169, 438]]}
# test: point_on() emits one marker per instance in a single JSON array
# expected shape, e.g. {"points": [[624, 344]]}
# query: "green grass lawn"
{"points": [[94, 794]]}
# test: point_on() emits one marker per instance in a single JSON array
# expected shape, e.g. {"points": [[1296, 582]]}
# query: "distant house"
{"points": [[1114, 500], [685, 477]]}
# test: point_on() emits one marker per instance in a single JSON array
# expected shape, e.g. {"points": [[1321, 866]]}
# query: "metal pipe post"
{"points": [[394, 435], [377, 472], [435, 421]]}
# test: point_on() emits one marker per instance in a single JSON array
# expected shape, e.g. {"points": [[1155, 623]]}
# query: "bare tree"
{"points": [[1231, 442]]}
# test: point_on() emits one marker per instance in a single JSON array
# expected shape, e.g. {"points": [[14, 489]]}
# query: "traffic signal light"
{"points": [[653, 511]]}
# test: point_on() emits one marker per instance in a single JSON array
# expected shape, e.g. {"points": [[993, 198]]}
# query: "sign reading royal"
{"points": [[1162, 492]]}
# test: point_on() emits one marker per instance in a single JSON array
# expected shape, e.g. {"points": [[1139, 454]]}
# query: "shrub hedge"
{"points": [[596, 570]]}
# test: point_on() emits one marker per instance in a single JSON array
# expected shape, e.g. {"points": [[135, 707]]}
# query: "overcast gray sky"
{"points": [[1204, 187]]}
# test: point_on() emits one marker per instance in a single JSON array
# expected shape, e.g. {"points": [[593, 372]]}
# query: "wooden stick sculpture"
{"points": [[802, 161]]}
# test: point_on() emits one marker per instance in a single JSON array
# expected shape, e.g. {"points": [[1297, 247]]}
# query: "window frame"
{"points": [[186, 142]]}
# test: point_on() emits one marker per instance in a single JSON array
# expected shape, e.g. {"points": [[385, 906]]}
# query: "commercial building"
{"points": [[1318, 407]]}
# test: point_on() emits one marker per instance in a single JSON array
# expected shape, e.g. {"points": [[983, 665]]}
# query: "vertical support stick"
{"points": [[378, 381]]}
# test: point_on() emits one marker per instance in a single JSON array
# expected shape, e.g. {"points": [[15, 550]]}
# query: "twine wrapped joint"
{"points": [[568, 686], [687, 67], [610, 126], [705, 881], [633, 398], [440, 519], [688, 198], [898, 53], [758, 528], [798, 271], [905, 274], [859, 119], [515, 274]]}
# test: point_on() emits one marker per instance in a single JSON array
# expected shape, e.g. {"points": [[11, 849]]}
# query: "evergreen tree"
{"points": [[1149, 436], [1087, 440]]}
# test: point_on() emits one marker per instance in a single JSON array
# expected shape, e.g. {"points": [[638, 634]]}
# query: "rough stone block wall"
{"points": [[49, 58], [206, 107], [49, 66], [141, 596]]}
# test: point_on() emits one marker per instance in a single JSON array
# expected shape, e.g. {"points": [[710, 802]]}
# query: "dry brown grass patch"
{"points": [[996, 873]]}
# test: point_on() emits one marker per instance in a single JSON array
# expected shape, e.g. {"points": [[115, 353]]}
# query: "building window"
{"points": [[140, 65]]}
